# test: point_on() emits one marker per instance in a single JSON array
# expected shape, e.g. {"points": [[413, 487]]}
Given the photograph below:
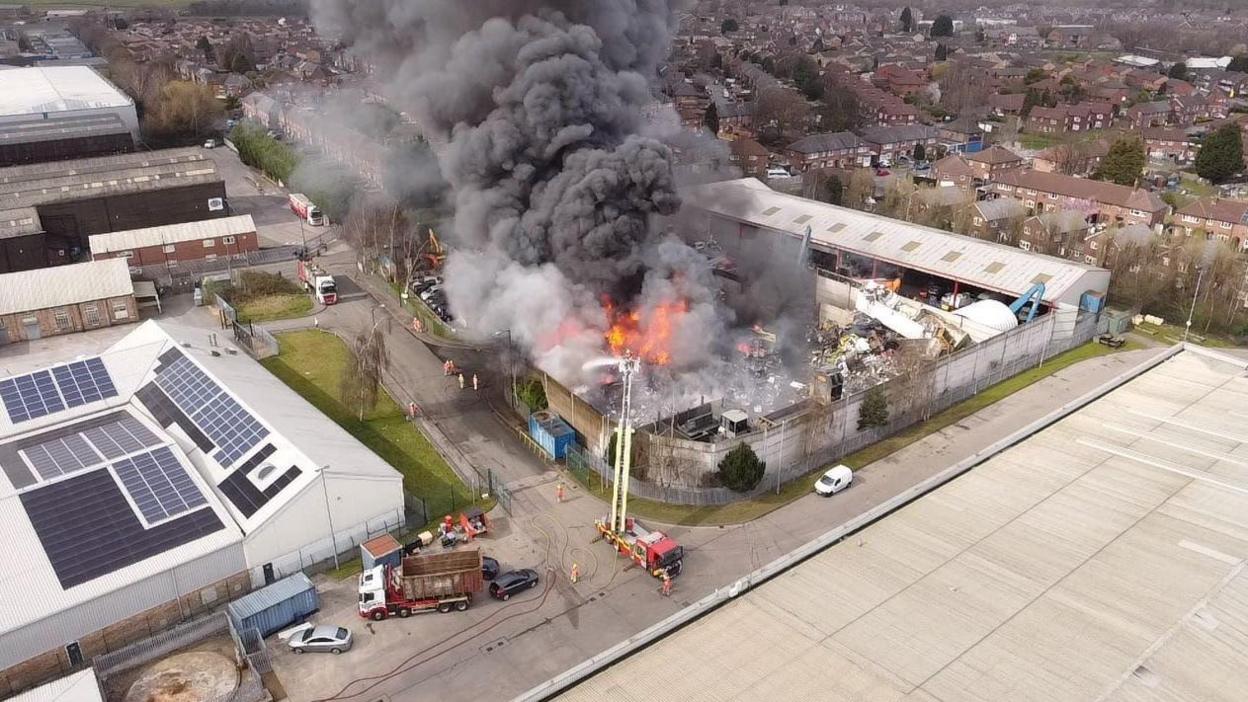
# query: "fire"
{"points": [[646, 334]]}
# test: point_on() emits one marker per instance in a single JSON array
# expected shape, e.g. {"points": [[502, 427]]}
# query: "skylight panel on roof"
{"points": [[911, 246], [951, 256], [873, 236], [836, 227], [802, 219], [1041, 278], [770, 211], [994, 267]]}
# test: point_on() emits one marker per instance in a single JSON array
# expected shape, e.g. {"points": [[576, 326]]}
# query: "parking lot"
{"points": [[253, 194]]}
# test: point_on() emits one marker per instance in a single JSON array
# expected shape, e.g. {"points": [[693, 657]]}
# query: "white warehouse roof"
{"points": [[42, 288], [79, 687], [171, 234], [985, 264], [31, 91]]}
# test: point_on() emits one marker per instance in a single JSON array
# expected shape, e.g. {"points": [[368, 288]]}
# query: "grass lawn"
{"points": [[1173, 334], [312, 363], [270, 307], [1036, 142], [748, 510], [1193, 185]]}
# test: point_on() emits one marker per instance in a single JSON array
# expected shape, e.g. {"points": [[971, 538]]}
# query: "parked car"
{"points": [[489, 568], [833, 481], [430, 292], [210, 144], [328, 639], [511, 582]]}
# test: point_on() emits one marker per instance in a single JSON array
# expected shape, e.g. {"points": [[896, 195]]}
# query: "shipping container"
{"points": [[275, 607], [441, 574], [551, 433], [383, 550]]}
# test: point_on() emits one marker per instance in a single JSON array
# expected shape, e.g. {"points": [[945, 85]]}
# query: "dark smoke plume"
{"points": [[537, 113]]}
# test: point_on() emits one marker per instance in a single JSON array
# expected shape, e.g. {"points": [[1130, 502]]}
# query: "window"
{"points": [[91, 314], [209, 243], [169, 248], [62, 320], [1224, 225], [121, 310], [228, 240], [1190, 218], [125, 254], [978, 220], [1024, 245], [1138, 213]]}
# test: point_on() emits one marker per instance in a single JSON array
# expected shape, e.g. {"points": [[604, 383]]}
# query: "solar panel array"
{"points": [[84, 381], [70, 453], [43, 392], [158, 484], [231, 428], [30, 396]]}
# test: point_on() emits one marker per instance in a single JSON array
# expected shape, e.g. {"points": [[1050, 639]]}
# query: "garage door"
{"points": [[30, 328]]}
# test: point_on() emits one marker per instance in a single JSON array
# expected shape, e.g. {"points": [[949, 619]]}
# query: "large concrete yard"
{"points": [[1100, 559]]}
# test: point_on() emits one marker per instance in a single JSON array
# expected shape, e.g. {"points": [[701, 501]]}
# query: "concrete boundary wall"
{"points": [[742, 585]]}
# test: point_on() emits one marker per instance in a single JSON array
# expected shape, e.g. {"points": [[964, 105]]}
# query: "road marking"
{"points": [[1187, 425], [1149, 461], [1208, 454]]}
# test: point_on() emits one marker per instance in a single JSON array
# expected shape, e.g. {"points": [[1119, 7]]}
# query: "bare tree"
{"points": [[914, 387], [860, 187], [779, 112], [361, 383]]}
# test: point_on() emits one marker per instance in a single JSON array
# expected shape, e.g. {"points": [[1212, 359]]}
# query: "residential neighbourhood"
{"points": [[608, 331]]}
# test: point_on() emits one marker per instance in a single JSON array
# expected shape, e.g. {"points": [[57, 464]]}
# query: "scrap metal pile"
{"points": [[862, 353]]}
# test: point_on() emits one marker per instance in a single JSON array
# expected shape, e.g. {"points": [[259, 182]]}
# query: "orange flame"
{"points": [[647, 335]]}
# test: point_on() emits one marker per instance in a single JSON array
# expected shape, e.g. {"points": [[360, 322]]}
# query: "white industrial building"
{"points": [[859, 245], [62, 92], [161, 477]]}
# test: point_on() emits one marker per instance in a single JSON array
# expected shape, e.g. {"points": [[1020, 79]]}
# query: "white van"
{"points": [[833, 481]]}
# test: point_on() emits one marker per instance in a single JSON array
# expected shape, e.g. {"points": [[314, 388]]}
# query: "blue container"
{"points": [[551, 433], [275, 607]]}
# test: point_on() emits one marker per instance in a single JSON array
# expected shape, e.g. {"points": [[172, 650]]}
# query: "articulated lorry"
{"points": [[443, 581]]}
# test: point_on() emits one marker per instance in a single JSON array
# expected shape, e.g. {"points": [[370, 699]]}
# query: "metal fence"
{"points": [[258, 341], [182, 275], [954, 378], [248, 647]]}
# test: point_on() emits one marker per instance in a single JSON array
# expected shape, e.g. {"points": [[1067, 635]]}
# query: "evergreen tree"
{"points": [[1221, 154], [741, 470], [1178, 71], [1124, 162], [1239, 64], [205, 46], [873, 412], [942, 52], [920, 152], [711, 119], [907, 20], [942, 26], [728, 25]]}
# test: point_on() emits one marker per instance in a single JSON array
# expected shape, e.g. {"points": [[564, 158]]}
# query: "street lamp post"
{"points": [[329, 516], [1200, 273]]}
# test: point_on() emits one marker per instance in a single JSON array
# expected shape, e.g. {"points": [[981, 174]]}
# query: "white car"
{"points": [[833, 481]]}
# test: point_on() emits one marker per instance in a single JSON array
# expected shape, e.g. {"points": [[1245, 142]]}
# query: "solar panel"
{"points": [[119, 438], [84, 381], [61, 456], [230, 427], [30, 396], [158, 484]]}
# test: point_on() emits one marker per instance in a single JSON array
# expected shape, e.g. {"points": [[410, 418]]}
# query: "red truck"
{"points": [[440, 581], [318, 282], [307, 211]]}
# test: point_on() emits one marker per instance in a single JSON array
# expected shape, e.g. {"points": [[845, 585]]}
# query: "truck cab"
{"points": [[662, 553], [372, 592], [326, 290]]}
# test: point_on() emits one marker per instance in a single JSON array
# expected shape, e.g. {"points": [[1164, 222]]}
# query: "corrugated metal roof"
{"points": [[64, 285], [19, 222], [34, 184], [171, 234], [269, 595], [25, 91], [981, 263]]}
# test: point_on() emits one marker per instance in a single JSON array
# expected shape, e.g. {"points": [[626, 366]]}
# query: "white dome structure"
{"points": [[994, 314]]}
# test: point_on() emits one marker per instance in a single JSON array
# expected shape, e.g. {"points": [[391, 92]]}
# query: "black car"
{"points": [[489, 568], [512, 582]]}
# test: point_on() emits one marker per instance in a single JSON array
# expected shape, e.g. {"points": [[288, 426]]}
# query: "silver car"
{"points": [[333, 639]]}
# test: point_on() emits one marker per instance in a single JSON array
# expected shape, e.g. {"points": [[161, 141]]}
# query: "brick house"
{"points": [[1009, 104], [1048, 233], [65, 299], [1174, 144], [261, 108], [1080, 158], [891, 142], [1223, 219], [828, 150], [1081, 117], [749, 156], [996, 219], [900, 81], [1149, 114], [178, 243], [953, 170], [690, 103], [1046, 120], [992, 161], [1104, 203]]}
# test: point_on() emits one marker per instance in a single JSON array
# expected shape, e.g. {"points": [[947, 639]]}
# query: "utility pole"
{"points": [[1200, 273], [329, 516]]}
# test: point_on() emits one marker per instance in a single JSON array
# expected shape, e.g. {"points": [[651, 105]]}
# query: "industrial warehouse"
{"points": [[932, 316], [1098, 556], [66, 112], [163, 476], [48, 211]]}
